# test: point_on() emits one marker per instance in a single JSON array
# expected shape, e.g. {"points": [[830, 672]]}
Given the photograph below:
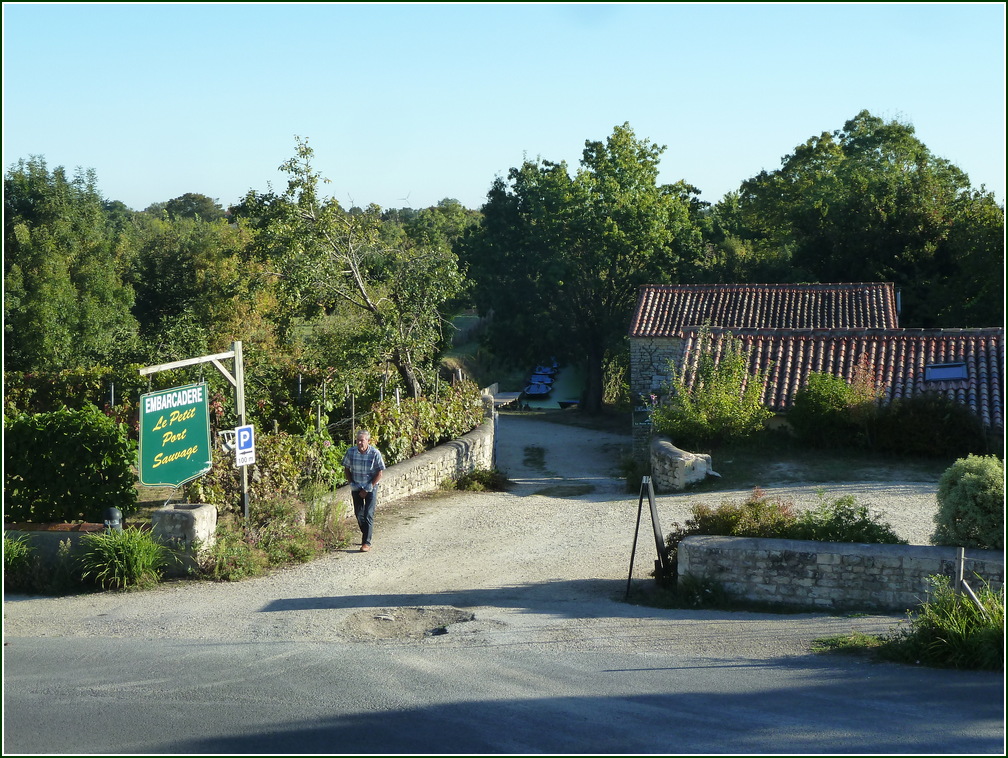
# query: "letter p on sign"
{"points": [[244, 446]]}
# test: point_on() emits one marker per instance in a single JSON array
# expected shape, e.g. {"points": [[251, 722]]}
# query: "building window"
{"points": [[938, 372]]}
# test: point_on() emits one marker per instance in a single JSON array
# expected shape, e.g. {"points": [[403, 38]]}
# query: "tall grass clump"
{"points": [[19, 560], [119, 560], [950, 631], [277, 533]]}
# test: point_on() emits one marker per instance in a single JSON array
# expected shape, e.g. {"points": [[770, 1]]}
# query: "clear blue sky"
{"points": [[407, 104]]}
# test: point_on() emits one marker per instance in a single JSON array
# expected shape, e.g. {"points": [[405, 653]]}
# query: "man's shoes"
{"points": [[365, 547]]}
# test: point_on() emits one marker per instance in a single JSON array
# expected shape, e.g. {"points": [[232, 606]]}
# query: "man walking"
{"points": [[363, 466]]}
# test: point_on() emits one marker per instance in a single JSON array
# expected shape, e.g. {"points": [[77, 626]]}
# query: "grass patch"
{"points": [[948, 631], [535, 457], [855, 643], [480, 480]]}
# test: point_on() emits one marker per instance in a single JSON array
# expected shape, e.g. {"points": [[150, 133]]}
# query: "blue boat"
{"points": [[537, 390]]}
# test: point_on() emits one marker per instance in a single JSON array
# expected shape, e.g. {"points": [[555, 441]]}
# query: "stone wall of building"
{"points": [[649, 374], [831, 575]]}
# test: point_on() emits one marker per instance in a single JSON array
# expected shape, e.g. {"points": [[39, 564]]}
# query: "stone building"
{"points": [[792, 330]]}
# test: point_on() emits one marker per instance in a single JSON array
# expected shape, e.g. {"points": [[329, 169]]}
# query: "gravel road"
{"points": [[547, 561]]}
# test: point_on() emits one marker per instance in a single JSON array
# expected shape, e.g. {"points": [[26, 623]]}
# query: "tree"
{"points": [[194, 205], [328, 260], [558, 259], [869, 202], [197, 287], [65, 301]]}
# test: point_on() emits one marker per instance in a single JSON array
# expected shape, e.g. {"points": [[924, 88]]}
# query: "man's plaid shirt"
{"points": [[363, 466]]}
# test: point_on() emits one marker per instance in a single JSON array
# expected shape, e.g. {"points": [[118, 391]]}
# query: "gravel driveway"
{"points": [[546, 561]]}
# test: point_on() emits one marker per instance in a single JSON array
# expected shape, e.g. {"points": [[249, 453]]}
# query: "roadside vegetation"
{"points": [[948, 630], [380, 318]]}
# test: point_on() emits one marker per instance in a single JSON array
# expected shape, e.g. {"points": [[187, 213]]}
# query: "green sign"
{"points": [[174, 436]]}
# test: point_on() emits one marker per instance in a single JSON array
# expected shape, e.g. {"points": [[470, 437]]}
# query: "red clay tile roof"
{"points": [[664, 310], [898, 357]]}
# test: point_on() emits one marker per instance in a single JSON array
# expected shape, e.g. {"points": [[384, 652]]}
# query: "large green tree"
{"points": [[198, 288], [870, 202], [333, 262], [194, 205], [558, 259], [65, 301]]}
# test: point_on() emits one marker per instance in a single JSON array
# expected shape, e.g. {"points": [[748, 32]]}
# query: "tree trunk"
{"points": [[593, 387], [406, 374]]}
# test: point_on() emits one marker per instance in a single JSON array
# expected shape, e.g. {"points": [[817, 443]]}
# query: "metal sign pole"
{"points": [[239, 367]]}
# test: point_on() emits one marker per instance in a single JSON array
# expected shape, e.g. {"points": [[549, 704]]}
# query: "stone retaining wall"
{"points": [[429, 470], [832, 575]]}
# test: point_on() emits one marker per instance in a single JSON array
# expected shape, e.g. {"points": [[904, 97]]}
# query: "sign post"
{"points": [[174, 436], [237, 381], [244, 446]]}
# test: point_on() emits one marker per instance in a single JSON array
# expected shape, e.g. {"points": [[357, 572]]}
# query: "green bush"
{"points": [[286, 464], [278, 533], [928, 425], [949, 631], [971, 502], [827, 412], [404, 428], [67, 466], [842, 520], [232, 557], [481, 480], [279, 528], [127, 559], [756, 516], [839, 520], [723, 403]]}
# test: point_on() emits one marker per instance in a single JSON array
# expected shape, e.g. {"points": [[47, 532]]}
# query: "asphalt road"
{"points": [[101, 696], [479, 624]]}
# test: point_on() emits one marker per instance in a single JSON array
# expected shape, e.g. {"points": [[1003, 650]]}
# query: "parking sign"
{"points": [[244, 446]]}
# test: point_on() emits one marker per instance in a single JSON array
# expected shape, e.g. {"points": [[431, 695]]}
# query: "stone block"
{"points": [[673, 469]]}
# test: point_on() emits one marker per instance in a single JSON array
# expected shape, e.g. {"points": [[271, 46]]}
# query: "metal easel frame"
{"points": [[661, 564]]}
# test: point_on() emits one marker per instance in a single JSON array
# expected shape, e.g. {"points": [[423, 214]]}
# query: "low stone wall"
{"points": [[673, 469], [833, 575], [429, 470], [47, 538]]}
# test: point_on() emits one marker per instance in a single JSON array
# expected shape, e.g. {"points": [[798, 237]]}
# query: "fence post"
{"points": [[960, 568]]}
